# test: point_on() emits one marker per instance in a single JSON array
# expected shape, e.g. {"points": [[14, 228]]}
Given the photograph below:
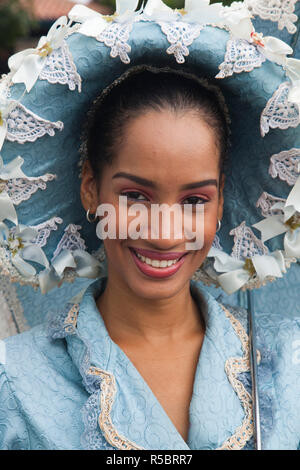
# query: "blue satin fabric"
{"points": [[48, 400], [247, 174]]}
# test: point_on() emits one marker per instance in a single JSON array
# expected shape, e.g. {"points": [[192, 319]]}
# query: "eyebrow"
{"points": [[151, 184]]}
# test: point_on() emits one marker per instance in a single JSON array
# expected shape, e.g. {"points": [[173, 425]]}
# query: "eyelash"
{"points": [[130, 193], [130, 196]]}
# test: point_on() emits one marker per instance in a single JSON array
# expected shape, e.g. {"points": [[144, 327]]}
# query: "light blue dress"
{"points": [[67, 385]]}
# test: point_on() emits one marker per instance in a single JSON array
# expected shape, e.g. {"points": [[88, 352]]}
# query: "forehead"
{"points": [[163, 144]]}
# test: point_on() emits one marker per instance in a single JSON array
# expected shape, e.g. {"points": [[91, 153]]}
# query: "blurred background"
{"points": [[23, 22]]}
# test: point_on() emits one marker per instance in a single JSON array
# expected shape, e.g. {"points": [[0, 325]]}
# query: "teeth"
{"points": [[157, 263]]}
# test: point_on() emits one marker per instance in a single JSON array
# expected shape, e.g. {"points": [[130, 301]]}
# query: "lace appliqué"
{"points": [[71, 240], [107, 398], [240, 56], [246, 244], [284, 165], [12, 315], [281, 12], [180, 35], [60, 68], [217, 243], [279, 112], [44, 230], [116, 37], [265, 203], [95, 380], [233, 367], [21, 189], [25, 126]]}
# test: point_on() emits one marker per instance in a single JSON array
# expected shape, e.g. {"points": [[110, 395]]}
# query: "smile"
{"points": [[157, 265]]}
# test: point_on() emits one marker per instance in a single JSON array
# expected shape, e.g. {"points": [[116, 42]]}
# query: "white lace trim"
{"points": [[265, 203], [107, 398], [180, 35], [12, 320], [246, 244], [71, 240], [279, 112], [60, 68], [25, 126], [217, 243], [279, 11], [21, 189], [116, 36], [44, 230], [284, 165], [233, 367], [240, 56], [5, 85]]}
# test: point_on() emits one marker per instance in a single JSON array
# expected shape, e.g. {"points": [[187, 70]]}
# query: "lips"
{"points": [[158, 272], [159, 256]]}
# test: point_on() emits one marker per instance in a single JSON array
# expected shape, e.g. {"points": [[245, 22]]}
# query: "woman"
{"points": [[144, 358]]}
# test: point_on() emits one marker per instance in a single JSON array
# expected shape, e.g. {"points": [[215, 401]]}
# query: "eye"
{"points": [[135, 195], [194, 200]]}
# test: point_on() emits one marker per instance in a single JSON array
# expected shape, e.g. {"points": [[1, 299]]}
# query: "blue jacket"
{"points": [[66, 385]]}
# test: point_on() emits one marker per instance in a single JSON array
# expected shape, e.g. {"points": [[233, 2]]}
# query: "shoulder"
{"points": [[37, 380], [32, 351]]}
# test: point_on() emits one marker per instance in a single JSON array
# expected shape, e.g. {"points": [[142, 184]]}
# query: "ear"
{"points": [[89, 188], [221, 196]]}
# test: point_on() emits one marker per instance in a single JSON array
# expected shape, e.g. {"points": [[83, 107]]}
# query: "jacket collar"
{"points": [[129, 415]]}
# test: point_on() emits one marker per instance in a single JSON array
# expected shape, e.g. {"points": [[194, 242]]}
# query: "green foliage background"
{"points": [[15, 21]]}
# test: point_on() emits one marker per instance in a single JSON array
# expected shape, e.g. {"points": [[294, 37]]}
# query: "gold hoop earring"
{"points": [[88, 217]]}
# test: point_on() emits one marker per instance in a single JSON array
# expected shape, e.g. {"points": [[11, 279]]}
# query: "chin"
{"points": [[152, 282]]}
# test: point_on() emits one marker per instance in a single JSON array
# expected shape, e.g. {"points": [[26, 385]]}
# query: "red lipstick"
{"points": [[158, 273], [159, 256]]}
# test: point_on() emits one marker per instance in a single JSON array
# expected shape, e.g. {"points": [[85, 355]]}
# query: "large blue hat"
{"points": [[45, 237]]}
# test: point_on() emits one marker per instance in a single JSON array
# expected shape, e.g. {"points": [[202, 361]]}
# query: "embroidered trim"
{"points": [[281, 12], [266, 202], [21, 189], [240, 57], [246, 244], [13, 320], [279, 112], [233, 367], [284, 165], [107, 393], [116, 37], [180, 35], [60, 68], [107, 398], [71, 318], [25, 126], [71, 240]]}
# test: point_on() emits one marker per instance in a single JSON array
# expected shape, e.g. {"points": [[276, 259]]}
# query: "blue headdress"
{"points": [[44, 235]]}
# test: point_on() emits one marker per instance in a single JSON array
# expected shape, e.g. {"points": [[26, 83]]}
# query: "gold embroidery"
{"points": [[107, 397], [72, 316], [233, 367]]}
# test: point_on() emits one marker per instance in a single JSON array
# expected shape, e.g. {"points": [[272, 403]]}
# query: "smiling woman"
{"points": [[145, 357]]}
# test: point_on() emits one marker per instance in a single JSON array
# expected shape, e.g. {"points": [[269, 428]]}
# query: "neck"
{"points": [[128, 317]]}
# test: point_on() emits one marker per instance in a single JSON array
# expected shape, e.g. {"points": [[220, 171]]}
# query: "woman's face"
{"points": [[164, 158]]}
